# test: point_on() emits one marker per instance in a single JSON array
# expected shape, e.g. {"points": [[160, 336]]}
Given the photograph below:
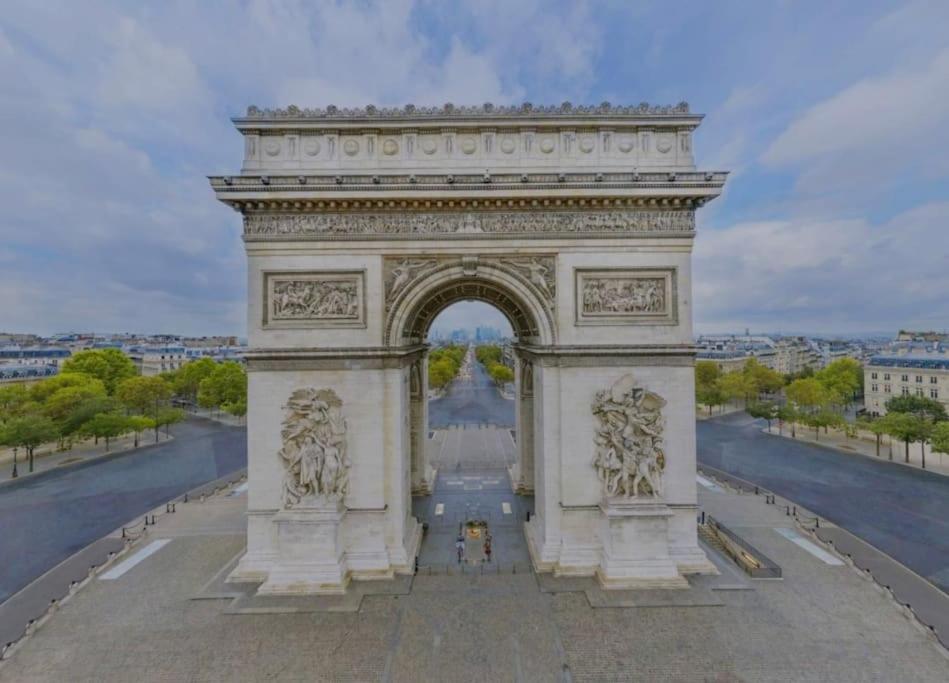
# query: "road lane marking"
{"points": [[710, 485], [506, 508], [143, 554], [814, 550], [439, 509], [454, 483], [238, 490]]}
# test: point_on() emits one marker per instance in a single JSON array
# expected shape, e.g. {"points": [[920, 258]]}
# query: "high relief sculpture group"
{"points": [[361, 226]]}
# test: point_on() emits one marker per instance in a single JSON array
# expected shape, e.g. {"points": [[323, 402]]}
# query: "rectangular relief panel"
{"points": [[626, 296], [327, 298]]}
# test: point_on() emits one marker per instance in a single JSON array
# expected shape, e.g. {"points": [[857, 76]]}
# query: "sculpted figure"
{"points": [[537, 273], [628, 443], [316, 468], [405, 271]]}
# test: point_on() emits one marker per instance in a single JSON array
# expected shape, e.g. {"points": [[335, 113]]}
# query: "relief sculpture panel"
{"points": [[626, 296], [314, 299]]}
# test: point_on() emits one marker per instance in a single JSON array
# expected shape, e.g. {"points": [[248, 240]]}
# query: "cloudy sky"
{"points": [[833, 118]]}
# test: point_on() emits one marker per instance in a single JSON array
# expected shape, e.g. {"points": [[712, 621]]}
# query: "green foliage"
{"points": [[940, 437], [42, 390], [443, 365], [489, 353], [501, 374], [842, 379], [907, 427], [29, 431], [13, 399], [62, 404], [144, 395], [138, 424], [168, 416], [735, 385], [760, 378], [111, 366], [107, 426], [708, 390], [822, 418], [809, 395], [763, 410], [926, 408], [187, 379], [225, 386]]}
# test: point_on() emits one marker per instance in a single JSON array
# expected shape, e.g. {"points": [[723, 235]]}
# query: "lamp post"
{"points": [[15, 473]]}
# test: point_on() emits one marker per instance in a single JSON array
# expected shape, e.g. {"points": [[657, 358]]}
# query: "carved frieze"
{"points": [[416, 225], [626, 296], [313, 454], [628, 441], [314, 299], [537, 272]]}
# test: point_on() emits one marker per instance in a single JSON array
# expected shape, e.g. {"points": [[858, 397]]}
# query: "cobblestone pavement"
{"points": [[901, 510], [822, 622]]}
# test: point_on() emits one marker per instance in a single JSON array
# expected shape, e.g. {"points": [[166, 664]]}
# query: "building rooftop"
{"points": [[933, 362]]}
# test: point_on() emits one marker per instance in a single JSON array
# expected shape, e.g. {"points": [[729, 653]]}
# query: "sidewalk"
{"points": [[163, 613], [47, 457], [865, 444]]}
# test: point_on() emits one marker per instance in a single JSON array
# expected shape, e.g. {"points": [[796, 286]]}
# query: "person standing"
{"points": [[460, 547], [487, 548]]}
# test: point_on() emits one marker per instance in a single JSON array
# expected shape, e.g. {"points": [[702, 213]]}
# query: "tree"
{"points": [[226, 386], [60, 405], [876, 427], [822, 418], [761, 378], [107, 426], [708, 391], [735, 385], [84, 412], [487, 354], [187, 379], [13, 398], [42, 390], [109, 365], [763, 411], [143, 394], [167, 417], [500, 373], [807, 394], [842, 379], [940, 437], [906, 427], [787, 413], [138, 424], [29, 431], [925, 408]]}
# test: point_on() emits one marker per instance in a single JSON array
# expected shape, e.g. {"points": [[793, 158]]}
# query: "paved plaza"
{"points": [[163, 613], [902, 511], [47, 517]]}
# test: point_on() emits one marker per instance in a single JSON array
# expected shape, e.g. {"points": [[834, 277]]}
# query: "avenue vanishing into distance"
{"points": [[47, 517]]}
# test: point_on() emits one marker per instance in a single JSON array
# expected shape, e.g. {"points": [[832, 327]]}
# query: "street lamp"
{"points": [[15, 474]]}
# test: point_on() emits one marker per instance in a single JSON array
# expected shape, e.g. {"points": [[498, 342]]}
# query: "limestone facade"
{"points": [[576, 222]]}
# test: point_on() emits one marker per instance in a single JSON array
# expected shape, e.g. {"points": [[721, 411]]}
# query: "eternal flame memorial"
{"points": [[362, 225]]}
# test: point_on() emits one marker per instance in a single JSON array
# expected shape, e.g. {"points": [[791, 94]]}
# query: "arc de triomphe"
{"points": [[362, 225]]}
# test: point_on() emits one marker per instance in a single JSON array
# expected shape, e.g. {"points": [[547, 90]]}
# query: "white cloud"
{"points": [[871, 130], [831, 275]]}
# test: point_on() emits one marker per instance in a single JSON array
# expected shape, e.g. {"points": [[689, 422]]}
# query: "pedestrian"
{"points": [[460, 547], [487, 548]]}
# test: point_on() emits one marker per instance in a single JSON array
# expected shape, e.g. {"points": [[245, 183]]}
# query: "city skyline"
{"points": [[827, 223]]}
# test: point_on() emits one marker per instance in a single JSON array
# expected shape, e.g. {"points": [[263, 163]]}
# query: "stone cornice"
{"points": [[449, 112], [664, 355]]}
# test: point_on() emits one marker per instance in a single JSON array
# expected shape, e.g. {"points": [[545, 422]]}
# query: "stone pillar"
{"points": [[422, 474], [524, 483], [634, 534]]}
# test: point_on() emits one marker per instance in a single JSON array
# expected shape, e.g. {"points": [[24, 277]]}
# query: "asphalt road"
{"points": [[902, 511], [471, 401], [47, 517]]}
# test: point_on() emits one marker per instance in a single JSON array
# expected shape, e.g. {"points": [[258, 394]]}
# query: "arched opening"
{"points": [[471, 415]]}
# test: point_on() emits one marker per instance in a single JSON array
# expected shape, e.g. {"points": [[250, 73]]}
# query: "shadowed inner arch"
{"points": [[421, 318]]}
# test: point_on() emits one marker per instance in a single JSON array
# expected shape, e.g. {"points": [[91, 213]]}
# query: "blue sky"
{"points": [[833, 118]]}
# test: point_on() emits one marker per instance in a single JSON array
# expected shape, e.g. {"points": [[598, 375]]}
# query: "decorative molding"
{"points": [[354, 358], [418, 225], [485, 111], [628, 442], [316, 466], [314, 299], [626, 296]]}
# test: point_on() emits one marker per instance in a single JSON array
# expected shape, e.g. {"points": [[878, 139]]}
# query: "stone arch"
{"points": [[525, 307]]}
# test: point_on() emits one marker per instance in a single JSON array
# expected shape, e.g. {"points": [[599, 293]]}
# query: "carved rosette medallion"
{"points": [[625, 296], [501, 224], [314, 299], [628, 441], [316, 465]]}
